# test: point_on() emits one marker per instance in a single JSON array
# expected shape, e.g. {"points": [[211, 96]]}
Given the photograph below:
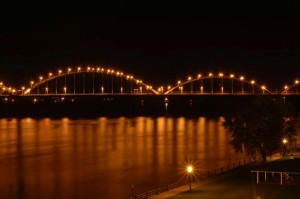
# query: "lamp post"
{"points": [[189, 170], [242, 80], [212, 82], [284, 147]]}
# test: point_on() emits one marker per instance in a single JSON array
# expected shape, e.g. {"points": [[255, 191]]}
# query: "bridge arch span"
{"points": [[217, 84], [87, 81]]}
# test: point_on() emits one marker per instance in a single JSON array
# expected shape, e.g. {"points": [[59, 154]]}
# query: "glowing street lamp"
{"points": [[212, 82], [221, 76], [284, 145], [189, 79], [242, 80], [65, 90], [252, 83], [296, 82], [284, 141], [189, 170], [286, 88], [263, 88], [231, 77]]}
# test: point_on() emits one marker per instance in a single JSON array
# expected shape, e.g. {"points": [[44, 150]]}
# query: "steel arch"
{"points": [[81, 70], [220, 76]]}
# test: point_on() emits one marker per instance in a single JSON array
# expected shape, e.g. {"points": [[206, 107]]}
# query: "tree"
{"points": [[261, 126]]}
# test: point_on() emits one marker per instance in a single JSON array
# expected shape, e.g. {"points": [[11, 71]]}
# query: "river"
{"points": [[102, 157]]}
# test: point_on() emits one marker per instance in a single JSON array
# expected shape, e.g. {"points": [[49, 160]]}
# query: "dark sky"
{"points": [[158, 49]]}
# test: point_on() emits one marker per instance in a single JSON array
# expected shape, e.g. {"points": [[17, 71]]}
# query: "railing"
{"points": [[214, 172], [154, 192]]}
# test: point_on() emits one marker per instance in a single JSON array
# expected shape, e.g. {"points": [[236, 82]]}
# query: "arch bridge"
{"points": [[106, 81]]}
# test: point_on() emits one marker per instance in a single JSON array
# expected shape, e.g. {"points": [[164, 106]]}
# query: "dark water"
{"points": [[102, 158]]}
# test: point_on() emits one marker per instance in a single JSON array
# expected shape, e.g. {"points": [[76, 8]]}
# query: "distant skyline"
{"points": [[159, 50]]}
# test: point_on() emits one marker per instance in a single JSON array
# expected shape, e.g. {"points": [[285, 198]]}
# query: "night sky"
{"points": [[158, 49]]}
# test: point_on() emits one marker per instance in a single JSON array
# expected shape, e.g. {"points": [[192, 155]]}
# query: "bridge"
{"points": [[105, 91], [105, 81]]}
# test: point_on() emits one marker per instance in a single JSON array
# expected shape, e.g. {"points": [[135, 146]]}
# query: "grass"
{"points": [[242, 185]]}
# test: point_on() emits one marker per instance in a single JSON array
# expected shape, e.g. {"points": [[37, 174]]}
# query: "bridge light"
{"points": [[169, 87], [252, 82], [112, 71], [231, 75], [263, 87], [78, 69], [50, 74], [178, 82], [93, 69], [59, 72], [65, 90], [131, 77], [221, 74], [98, 69], [286, 87], [108, 70], [118, 73], [210, 75], [1, 83], [69, 70], [41, 78], [46, 89], [23, 88], [242, 78], [121, 73], [127, 76], [102, 69], [31, 83], [189, 78], [88, 69], [296, 82], [199, 76]]}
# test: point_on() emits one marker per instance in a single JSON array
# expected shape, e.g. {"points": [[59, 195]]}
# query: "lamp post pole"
{"points": [[189, 170]]}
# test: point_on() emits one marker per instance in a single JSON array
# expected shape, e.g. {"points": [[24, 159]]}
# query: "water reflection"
{"points": [[101, 158]]}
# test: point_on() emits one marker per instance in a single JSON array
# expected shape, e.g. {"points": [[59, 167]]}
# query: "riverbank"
{"points": [[240, 183]]}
